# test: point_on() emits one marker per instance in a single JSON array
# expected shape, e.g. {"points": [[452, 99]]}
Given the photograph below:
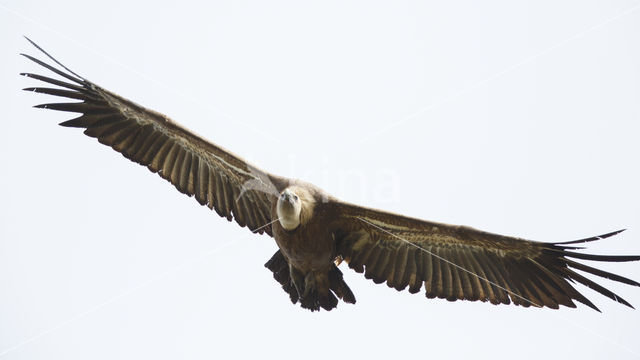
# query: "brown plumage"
{"points": [[315, 232]]}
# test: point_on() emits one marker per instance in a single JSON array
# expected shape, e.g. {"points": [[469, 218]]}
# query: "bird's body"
{"points": [[310, 244], [315, 232], [307, 243]]}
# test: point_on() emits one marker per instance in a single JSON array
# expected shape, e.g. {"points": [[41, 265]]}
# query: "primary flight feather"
{"points": [[315, 232]]}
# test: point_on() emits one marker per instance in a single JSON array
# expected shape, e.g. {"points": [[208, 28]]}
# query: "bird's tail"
{"points": [[313, 290]]}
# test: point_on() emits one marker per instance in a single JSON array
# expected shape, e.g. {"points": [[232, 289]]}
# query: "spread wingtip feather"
{"points": [[593, 238], [80, 78]]}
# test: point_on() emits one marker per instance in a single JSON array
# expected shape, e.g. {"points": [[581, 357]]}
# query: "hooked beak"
{"points": [[288, 197]]}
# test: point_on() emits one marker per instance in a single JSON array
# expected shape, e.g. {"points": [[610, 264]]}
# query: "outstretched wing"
{"points": [[459, 262], [214, 176]]}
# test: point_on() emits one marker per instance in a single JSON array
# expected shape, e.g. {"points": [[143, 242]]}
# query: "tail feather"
{"points": [[339, 287], [321, 290]]}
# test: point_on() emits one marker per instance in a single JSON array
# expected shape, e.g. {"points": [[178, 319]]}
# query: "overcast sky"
{"points": [[519, 118]]}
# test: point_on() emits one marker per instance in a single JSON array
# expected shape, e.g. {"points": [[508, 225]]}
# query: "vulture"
{"points": [[315, 232]]}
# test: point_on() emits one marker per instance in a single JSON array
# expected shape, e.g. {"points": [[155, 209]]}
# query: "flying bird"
{"points": [[315, 231]]}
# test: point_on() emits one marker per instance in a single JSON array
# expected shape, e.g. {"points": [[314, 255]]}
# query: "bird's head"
{"points": [[289, 208]]}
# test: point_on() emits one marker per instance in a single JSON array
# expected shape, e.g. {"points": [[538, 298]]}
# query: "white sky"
{"points": [[517, 118]]}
